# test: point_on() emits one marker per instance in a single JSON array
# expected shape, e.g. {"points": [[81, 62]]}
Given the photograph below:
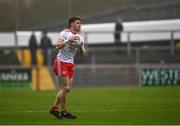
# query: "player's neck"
{"points": [[73, 31]]}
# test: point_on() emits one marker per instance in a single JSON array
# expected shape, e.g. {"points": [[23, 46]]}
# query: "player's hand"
{"points": [[81, 44], [72, 38]]}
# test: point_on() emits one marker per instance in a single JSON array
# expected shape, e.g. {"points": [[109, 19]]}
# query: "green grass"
{"points": [[137, 105]]}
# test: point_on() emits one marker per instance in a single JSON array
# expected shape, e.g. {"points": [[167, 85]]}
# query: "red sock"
{"points": [[63, 110], [55, 107]]}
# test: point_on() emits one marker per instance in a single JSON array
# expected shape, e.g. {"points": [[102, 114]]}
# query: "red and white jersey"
{"points": [[67, 53]]}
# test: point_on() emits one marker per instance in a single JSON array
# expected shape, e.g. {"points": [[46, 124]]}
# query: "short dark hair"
{"points": [[72, 19]]}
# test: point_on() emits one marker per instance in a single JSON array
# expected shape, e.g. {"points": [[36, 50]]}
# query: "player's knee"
{"points": [[59, 97], [68, 89]]}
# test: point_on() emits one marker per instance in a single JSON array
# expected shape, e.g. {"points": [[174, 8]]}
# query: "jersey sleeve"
{"points": [[62, 35]]}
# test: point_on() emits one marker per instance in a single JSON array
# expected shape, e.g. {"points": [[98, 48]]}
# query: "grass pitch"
{"points": [[137, 105]]}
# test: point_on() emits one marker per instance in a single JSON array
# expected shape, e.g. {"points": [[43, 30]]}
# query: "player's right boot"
{"points": [[55, 113], [68, 115]]}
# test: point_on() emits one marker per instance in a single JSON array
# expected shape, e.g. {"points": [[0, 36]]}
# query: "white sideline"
{"points": [[42, 111]]}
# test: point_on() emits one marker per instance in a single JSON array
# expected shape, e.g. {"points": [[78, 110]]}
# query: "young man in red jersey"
{"points": [[64, 64]]}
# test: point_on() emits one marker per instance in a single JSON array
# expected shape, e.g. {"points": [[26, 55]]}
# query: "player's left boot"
{"points": [[68, 115], [55, 113]]}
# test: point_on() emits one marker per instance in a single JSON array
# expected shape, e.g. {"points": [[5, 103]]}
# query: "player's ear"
{"points": [[72, 24]]}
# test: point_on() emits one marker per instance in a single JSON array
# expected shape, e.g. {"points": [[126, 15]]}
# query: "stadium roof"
{"points": [[52, 15]]}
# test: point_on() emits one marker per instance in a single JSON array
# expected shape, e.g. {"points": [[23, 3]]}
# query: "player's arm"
{"points": [[60, 43], [82, 49]]}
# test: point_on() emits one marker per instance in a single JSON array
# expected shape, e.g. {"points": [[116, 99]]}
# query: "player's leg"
{"points": [[60, 70], [61, 96], [64, 112], [54, 110], [67, 89]]}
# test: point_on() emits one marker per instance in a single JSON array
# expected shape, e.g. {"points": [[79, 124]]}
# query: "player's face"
{"points": [[76, 25]]}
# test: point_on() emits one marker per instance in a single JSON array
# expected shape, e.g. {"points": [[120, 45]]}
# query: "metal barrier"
{"points": [[112, 66]]}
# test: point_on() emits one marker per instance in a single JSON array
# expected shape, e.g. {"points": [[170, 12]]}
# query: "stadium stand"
{"points": [[118, 56], [8, 57]]}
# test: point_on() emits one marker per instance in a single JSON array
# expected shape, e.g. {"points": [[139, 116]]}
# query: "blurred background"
{"points": [[129, 42]]}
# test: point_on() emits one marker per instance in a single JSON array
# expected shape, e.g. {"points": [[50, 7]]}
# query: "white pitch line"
{"points": [[42, 111]]}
